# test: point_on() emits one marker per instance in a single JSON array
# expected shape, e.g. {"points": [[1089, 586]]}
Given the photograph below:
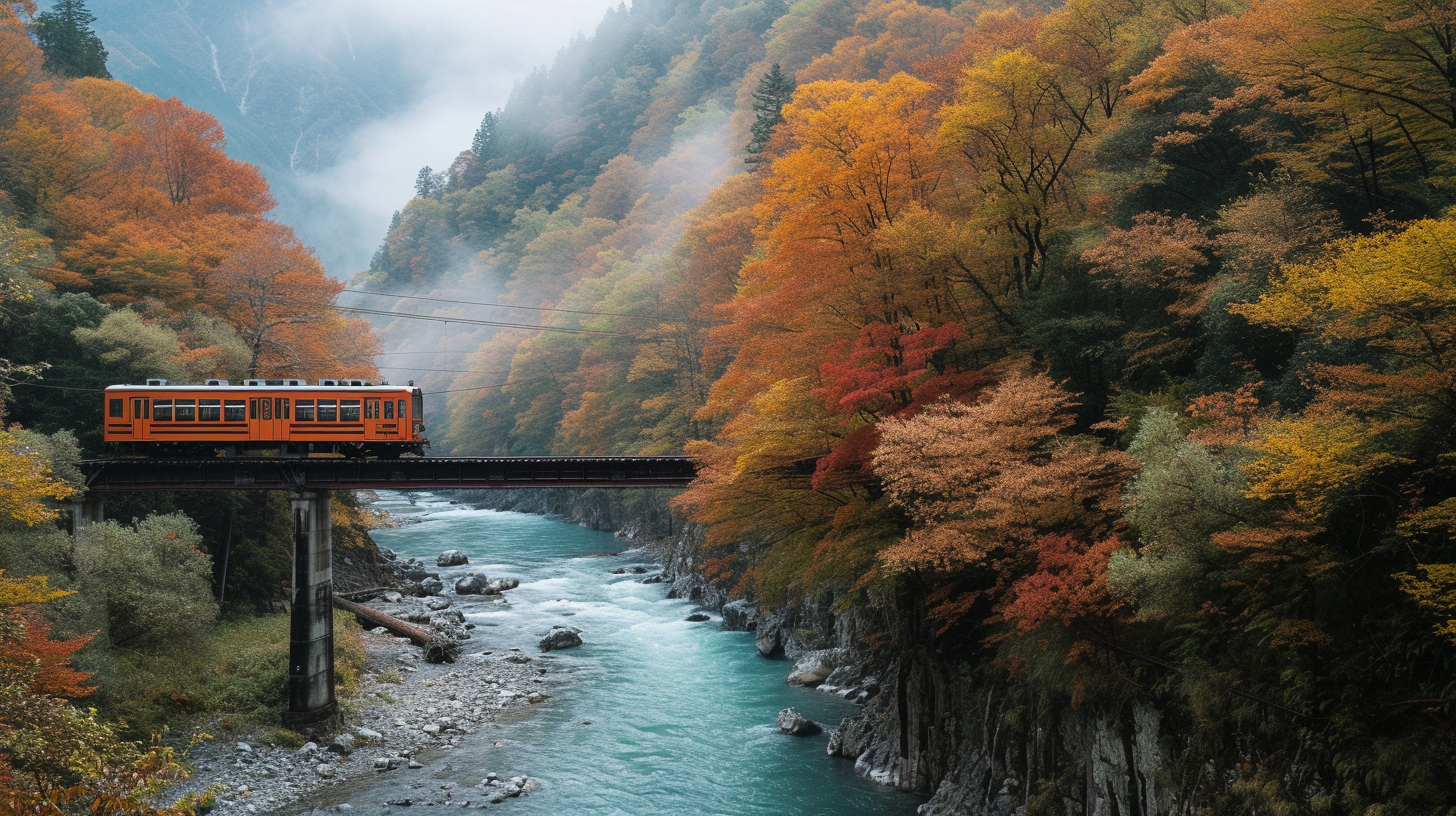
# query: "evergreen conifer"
{"points": [[71, 47], [773, 92]]}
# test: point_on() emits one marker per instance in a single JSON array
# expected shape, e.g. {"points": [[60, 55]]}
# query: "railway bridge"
{"points": [[310, 482]]}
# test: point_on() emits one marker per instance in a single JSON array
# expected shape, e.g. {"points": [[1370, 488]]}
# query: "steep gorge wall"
{"points": [[945, 726], [938, 725]]}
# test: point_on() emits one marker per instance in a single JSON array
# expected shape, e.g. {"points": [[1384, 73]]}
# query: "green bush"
{"points": [[237, 670], [151, 582]]}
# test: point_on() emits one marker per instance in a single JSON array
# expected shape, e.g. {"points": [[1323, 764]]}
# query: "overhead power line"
{"points": [[472, 322], [505, 305]]}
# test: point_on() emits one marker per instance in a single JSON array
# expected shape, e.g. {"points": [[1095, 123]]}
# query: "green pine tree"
{"points": [[71, 47], [773, 92], [429, 184], [484, 143]]}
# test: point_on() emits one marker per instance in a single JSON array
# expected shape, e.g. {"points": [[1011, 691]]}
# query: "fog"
{"points": [[340, 102], [463, 57]]}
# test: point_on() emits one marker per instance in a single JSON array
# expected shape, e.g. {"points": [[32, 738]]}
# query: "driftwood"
{"points": [[372, 617], [362, 595]]}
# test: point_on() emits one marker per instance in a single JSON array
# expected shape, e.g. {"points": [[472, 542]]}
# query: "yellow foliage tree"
{"points": [[26, 483]]}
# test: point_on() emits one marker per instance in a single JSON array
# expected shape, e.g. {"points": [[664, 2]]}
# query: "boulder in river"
{"points": [[795, 724], [431, 586], [451, 558], [697, 617], [560, 637], [472, 584], [499, 585], [436, 603]]}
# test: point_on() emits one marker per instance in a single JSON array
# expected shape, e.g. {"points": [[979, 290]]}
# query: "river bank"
{"points": [[660, 711], [409, 714]]}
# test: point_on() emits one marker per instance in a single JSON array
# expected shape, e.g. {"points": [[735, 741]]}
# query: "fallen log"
{"points": [[372, 617]]}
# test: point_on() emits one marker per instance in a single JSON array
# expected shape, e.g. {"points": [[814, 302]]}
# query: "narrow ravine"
{"points": [[652, 715]]}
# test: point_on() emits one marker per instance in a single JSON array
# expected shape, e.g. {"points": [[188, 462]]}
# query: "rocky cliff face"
{"points": [[934, 724], [945, 726]]}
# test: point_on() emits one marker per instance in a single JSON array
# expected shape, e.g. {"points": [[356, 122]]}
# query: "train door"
{"points": [[270, 417], [141, 412], [374, 425]]}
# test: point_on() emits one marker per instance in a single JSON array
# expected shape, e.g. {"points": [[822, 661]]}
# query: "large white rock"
{"points": [[810, 671], [795, 724]]}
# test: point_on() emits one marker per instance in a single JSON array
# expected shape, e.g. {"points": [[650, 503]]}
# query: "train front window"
{"points": [[187, 410], [303, 410], [209, 410], [328, 411], [232, 411], [115, 410], [389, 409], [162, 411], [401, 409], [349, 411]]}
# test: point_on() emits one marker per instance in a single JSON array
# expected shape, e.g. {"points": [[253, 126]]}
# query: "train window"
{"points": [[266, 405], [162, 411], [232, 411], [186, 410], [139, 409], [209, 410], [252, 409], [369, 408], [114, 409], [280, 408], [349, 411], [389, 409], [401, 409], [328, 411], [303, 410]]}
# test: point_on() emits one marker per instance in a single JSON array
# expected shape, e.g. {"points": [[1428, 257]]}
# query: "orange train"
{"points": [[354, 418]]}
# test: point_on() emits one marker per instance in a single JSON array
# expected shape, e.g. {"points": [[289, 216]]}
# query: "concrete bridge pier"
{"points": [[311, 639], [88, 511]]}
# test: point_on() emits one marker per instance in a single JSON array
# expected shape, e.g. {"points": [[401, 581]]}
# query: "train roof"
{"points": [[254, 386]]}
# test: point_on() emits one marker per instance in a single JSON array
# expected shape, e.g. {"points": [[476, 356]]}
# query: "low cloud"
{"points": [[463, 58]]}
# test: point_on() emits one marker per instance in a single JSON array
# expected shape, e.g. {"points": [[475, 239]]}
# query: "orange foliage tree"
{"points": [[272, 289], [996, 484], [55, 758]]}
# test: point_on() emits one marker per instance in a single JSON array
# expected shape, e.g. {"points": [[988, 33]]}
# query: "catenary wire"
{"points": [[473, 322], [504, 305]]}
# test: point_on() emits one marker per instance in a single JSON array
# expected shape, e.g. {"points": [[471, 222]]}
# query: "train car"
{"points": [[288, 417]]}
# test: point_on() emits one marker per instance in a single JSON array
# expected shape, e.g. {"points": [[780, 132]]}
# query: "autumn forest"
{"points": [[1088, 359]]}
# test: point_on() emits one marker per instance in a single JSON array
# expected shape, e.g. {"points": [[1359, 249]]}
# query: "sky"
{"points": [[466, 55]]}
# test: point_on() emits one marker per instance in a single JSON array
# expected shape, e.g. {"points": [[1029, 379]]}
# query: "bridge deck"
{"points": [[277, 473]]}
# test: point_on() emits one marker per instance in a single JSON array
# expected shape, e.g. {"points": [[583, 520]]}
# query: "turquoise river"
{"points": [[681, 714]]}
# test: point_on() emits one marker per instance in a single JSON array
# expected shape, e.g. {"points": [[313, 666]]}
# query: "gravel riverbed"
{"points": [[409, 712]]}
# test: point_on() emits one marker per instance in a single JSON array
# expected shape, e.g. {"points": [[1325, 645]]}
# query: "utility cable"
{"points": [[467, 321], [504, 305]]}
